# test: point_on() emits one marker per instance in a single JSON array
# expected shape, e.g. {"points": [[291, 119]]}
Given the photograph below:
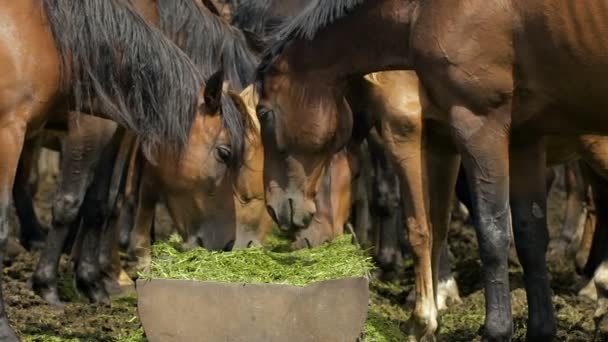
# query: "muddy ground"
{"points": [[81, 321]]}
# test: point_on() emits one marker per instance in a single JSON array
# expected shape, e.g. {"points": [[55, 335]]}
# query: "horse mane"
{"points": [[111, 57], [315, 16], [262, 16], [253, 16], [209, 41]]}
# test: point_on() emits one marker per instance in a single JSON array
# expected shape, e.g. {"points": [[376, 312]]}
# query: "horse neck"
{"points": [[374, 37]]}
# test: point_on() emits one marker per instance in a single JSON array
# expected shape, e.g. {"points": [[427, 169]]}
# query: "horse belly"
{"points": [[562, 54]]}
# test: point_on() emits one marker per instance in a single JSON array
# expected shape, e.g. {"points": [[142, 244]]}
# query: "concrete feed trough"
{"points": [[188, 310]]}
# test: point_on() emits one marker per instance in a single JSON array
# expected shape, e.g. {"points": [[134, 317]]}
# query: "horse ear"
{"points": [[213, 92], [254, 42], [211, 7]]}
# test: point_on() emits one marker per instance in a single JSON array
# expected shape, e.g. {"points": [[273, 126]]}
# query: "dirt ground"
{"points": [[81, 321]]}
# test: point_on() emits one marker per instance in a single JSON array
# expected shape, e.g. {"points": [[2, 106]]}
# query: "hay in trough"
{"points": [[334, 260]]}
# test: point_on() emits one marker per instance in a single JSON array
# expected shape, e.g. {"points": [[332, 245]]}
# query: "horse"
{"points": [[334, 201], [211, 43], [494, 103], [211, 206], [163, 86], [43, 283]]}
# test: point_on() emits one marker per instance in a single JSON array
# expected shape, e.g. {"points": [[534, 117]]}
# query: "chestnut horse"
{"points": [[99, 57], [495, 85]]}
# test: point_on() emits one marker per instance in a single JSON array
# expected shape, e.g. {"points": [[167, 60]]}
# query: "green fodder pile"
{"points": [[334, 260]]}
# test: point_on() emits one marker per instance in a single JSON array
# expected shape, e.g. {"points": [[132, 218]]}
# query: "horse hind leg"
{"points": [[30, 233], [95, 228], [529, 207], [12, 135]]}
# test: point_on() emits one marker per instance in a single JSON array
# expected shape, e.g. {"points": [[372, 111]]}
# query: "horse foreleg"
{"points": [[12, 135], [30, 233], [126, 219], [575, 209], [484, 147], [529, 207], [442, 167], [115, 279], [144, 220], [404, 146], [95, 227], [81, 151], [361, 201]]}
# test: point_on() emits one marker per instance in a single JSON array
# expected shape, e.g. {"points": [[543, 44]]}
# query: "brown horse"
{"points": [[100, 57], [211, 206], [334, 201], [75, 184], [495, 83], [200, 214]]}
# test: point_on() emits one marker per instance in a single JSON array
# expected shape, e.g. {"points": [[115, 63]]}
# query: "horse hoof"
{"points": [[111, 286], [421, 329], [48, 293], [589, 291], [447, 294], [96, 293], [13, 249]]}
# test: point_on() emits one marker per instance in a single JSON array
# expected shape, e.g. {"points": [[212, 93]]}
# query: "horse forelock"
{"points": [[238, 124], [137, 76]]}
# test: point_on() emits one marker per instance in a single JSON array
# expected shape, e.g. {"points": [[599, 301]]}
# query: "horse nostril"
{"points": [[229, 246], [307, 219], [272, 213]]}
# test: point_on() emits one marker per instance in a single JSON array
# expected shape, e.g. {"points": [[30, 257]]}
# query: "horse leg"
{"points": [[30, 233], [442, 168], [385, 203], [80, 153], [113, 275], [404, 146], [144, 220], [12, 135], [361, 200], [126, 209], [96, 210], [484, 147], [529, 207], [574, 211]]}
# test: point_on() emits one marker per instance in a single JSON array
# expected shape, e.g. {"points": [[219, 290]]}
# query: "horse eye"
{"points": [[223, 154], [263, 114]]}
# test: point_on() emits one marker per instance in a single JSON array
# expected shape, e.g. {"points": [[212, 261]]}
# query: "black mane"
{"points": [[262, 16], [316, 15], [209, 41], [131, 71]]}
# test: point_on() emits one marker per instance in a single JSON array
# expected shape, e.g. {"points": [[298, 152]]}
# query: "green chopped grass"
{"points": [[334, 260]]}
